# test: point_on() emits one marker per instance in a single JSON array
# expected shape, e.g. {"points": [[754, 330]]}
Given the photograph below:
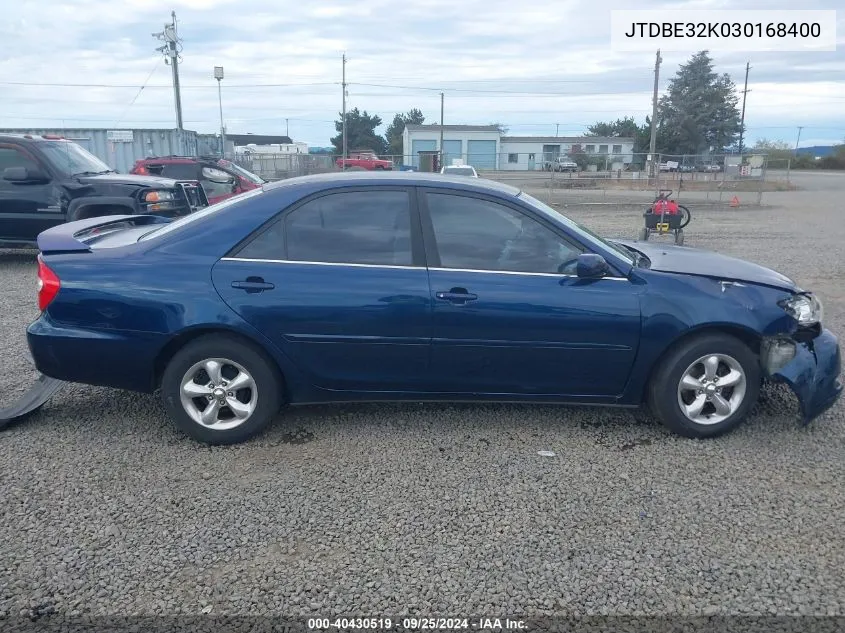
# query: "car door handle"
{"points": [[456, 297], [253, 284]]}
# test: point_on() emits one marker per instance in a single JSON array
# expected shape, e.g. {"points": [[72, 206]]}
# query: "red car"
{"points": [[363, 160], [220, 178]]}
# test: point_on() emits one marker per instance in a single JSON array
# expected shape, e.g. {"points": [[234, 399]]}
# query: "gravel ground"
{"points": [[433, 509]]}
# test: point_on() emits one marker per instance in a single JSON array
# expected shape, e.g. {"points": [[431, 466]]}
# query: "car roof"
{"points": [[402, 178], [27, 138]]}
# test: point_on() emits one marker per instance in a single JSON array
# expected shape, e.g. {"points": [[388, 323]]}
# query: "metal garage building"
{"points": [[477, 145], [486, 148]]}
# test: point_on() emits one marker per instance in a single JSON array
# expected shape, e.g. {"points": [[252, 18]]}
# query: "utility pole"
{"points": [[442, 155], [287, 129], [557, 129], [742, 120], [218, 75], [170, 50], [798, 140], [344, 107], [653, 143]]}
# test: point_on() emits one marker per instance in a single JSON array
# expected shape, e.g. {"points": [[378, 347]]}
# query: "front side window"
{"points": [[11, 157], [476, 234]]}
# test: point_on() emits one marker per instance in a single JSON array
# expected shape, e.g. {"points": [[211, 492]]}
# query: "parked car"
{"points": [[47, 180], [220, 178], [364, 161], [460, 170], [415, 286], [561, 163]]}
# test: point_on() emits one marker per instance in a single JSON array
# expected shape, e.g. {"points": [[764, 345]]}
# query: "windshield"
{"points": [[258, 180], [71, 159], [460, 171], [199, 215], [582, 231]]}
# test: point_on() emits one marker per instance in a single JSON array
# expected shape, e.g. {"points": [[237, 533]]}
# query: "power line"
{"points": [[138, 94]]}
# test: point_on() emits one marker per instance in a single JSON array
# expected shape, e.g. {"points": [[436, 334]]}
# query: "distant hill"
{"points": [[818, 150]]}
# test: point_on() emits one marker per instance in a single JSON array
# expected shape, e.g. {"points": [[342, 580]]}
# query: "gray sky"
{"points": [[528, 68]]}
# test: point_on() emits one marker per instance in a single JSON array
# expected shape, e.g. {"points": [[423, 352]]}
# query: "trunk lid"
{"points": [[104, 232]]}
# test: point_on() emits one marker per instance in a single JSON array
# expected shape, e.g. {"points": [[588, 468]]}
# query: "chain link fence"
{"points": [[576, 178]]}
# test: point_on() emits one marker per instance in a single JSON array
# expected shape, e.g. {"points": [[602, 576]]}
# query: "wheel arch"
{"points": [[180, 340], [80, 205], [744, 334]]}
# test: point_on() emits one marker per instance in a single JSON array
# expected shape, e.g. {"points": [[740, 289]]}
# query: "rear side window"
{"points": [[181, 171], [353, 227]]}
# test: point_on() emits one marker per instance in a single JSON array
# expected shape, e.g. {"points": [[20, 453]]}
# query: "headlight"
{"points": [[804, 308], [158, 196]]}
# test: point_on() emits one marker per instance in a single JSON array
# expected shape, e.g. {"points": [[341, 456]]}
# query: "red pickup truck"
{"points": [[363, 160]]}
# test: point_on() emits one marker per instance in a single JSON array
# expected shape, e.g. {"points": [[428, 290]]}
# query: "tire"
{"points": [[643, 236], [679, 237], [260, 403], [685, 214], [666, 394]]}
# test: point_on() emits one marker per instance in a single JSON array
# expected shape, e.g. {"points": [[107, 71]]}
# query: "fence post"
{"points": [[788, 164], [722, 185], [762, 181]]}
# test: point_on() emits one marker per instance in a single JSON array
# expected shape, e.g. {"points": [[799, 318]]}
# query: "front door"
{"points": [[510, 316], [339, 284], [531, 162], [26, 207]]}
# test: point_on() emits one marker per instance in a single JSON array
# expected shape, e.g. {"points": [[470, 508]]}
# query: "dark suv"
{"points": [[48, 180], [219, 178]]}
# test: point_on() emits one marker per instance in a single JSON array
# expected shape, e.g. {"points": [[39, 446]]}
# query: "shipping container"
{"points": [[120, 148]]}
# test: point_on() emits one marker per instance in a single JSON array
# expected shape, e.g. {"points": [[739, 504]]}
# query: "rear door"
{"points": [[26, 208], [339, 283]]}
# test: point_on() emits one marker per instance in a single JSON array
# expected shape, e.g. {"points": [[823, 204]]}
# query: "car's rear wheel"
{"points": [[219, 390], [705, 387]]}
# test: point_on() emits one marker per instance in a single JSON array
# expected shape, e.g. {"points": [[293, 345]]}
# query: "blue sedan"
{"points": [[409, 286]]}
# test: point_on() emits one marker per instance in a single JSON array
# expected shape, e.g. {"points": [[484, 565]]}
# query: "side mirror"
{"points": [[591, 266], [24, 174]]}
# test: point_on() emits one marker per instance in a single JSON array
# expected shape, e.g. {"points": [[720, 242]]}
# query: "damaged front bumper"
{"points": [[811, 368]]}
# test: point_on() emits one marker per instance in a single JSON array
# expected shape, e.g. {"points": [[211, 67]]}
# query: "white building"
{"points": [[275, 148], [485, 147]]}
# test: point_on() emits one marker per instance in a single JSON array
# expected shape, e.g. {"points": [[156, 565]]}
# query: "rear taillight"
{"points": [[48, 285]]}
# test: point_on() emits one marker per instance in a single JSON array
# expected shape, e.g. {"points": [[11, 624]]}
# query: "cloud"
{"points": [[537, 68]]}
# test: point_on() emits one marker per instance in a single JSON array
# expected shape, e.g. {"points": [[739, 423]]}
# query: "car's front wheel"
{"points": [[219, 390], [705, 387]]}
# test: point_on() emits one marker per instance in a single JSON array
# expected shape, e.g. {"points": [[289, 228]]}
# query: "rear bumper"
{"points": [[813, 375], [122, 360]]}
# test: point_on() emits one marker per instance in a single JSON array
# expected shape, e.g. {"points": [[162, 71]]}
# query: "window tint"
{"points": [[478, 234], [359, 227], [181, 171], [269, 244], [10, 157]]}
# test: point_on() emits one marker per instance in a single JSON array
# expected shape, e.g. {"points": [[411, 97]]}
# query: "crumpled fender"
{"points": [[38, 394], [813, 375]]}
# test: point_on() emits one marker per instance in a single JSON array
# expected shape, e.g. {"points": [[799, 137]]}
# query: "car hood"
{"points": [[129, 179], [694, 261]]}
